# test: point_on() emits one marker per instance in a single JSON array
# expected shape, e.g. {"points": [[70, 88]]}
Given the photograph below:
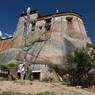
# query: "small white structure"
{"points": [[40, 72]]}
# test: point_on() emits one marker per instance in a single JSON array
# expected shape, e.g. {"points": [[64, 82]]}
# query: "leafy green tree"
{"points": [[78, 66], [91, 52], [91, 74]]}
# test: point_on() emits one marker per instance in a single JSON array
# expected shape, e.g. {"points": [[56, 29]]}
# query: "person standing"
{"points": [[21, 72]]}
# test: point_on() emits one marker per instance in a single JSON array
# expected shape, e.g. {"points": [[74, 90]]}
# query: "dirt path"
{"points": [[38, 87]]}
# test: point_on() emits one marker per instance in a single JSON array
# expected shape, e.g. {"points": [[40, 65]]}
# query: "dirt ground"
{"points": [[37, 87]]}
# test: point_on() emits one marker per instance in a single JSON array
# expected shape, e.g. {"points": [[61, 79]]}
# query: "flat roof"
{"points": [[60, 14], [41, 17]]}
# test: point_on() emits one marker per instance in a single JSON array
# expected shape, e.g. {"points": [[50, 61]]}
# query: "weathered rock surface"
{"points": [[47, 47], [10, 56], [6, 44]]}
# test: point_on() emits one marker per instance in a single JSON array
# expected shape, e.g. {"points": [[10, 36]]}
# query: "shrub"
{"points": [[4, 67], [78, 67], [12, 65]]}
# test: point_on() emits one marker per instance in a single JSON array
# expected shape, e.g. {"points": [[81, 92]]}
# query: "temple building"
{"points": [[48, 39]]}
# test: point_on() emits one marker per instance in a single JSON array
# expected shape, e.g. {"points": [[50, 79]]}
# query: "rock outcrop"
{"points": [[6, 43], [50, 39]]}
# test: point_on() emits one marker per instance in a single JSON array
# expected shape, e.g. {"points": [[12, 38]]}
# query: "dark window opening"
{"points": [[33, 25], [47, 27], [69, 20], [40, 27], [48, 24], [48, 20], [36, 76]]}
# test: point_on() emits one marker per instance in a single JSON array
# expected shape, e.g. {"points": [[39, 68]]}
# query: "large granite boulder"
{"points": [[11, 56]]}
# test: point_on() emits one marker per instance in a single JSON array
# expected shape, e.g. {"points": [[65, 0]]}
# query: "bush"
{"points": [[78, 67], [9, 71], [8, 66], [4, 67], [12, 65]]}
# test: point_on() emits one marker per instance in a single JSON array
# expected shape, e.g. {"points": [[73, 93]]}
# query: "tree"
{"points": [[78, 65], [91, 74]]}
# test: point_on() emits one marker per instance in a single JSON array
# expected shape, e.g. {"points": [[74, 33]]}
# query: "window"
{"points": [[40, 27], [48, 24], [48, 20], [35, 75], [33, 25], [69, 20], [47, 27]]}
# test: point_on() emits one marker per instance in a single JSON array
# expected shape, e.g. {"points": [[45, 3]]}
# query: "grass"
{"points": [[42, 93], [45, 93]]}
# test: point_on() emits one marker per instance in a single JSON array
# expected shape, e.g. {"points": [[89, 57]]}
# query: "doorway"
{"points": [[35, 75]]}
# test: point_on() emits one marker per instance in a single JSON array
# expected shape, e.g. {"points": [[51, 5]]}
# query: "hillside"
{"points": [[38, 87]]}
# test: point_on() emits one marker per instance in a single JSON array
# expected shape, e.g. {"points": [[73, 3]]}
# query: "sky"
{"points": [[10, 11]]}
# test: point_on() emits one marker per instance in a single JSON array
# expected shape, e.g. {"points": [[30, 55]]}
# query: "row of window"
{"points": [[48, 24]]}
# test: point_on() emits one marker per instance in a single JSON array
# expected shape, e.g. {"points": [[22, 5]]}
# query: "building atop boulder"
{"points": [[50, 38]]}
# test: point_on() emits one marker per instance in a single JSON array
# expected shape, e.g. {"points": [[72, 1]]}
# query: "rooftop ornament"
{"points": [[57, 11]]}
